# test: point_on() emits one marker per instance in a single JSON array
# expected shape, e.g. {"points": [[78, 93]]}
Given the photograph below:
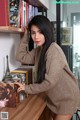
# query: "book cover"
{"points": [[14, 12], [8, 95], [4, 13], [30, 12], [31, 72], [35, 11], [23, 14], [22, 76], [27, 6]]}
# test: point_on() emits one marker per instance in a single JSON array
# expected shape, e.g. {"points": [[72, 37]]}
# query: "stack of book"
{"points": [[16, 13]]}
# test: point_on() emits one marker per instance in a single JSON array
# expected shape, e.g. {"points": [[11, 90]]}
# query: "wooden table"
{"points": [[29, 109]]}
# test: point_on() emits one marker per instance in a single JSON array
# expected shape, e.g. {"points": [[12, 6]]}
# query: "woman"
{"points": [[53, 74]]}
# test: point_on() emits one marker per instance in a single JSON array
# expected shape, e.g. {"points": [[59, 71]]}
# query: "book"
{"points": [[8, 95], [14, 12], [27, 4], [4, 13], [21, 76], [30, 12], [35, 11], [10, 13], [31, 72], [23, 14]]}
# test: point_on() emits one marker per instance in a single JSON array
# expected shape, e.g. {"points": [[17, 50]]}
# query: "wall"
{"points": [[8, 46], [72, 9], [68, 9], [52, 11], [45, 3]]}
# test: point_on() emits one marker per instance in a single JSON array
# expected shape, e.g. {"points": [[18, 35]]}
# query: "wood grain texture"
{"points": [[29, 109]]}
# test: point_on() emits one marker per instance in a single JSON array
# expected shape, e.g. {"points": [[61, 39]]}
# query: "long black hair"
{"points": [[46, 29]]}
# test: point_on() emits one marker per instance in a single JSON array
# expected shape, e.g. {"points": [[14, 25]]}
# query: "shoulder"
{"points": [[55, 48], [55, 51]]}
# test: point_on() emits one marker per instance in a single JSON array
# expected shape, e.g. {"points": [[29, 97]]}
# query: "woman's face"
{"points": [[37, 36]]}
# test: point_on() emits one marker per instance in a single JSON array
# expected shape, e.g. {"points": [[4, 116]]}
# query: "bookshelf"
{"points": [[11, 29], [6, 23], [37, 3]]}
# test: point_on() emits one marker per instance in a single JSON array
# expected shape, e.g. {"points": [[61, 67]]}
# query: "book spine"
{"points": [[35, 11], [27, 9], [23, 14], [30, 14], [4, 13], [19, 18], [7, 11]]}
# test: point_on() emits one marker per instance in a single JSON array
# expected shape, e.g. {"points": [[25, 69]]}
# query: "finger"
{"points": [[25, 28], [17, 83], [19, 89]]}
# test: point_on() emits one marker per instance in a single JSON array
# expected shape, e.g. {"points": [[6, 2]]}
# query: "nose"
{"points": [[36, 35]]}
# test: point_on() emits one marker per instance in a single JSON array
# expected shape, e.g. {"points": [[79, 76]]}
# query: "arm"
{"points": [[23, 55]]}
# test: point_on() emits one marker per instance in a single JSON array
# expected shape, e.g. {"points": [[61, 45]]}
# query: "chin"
{"points": [[39, 45]]}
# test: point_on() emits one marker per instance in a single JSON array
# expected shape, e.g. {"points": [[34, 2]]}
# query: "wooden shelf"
{"points": [[36, 3], [10, 29]]}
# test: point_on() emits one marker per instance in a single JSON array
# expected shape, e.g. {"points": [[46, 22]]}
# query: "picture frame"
{"points": [[66, 36], [31, 72], [20, 76]]}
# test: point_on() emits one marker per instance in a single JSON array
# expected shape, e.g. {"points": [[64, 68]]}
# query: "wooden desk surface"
{"points": [[29, 109]]}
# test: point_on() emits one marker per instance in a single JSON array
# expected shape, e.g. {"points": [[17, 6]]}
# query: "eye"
{"points": [[40, 31], [32, 32]]}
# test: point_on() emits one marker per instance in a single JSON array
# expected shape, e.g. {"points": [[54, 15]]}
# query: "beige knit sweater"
{"points": [[60, 85]]}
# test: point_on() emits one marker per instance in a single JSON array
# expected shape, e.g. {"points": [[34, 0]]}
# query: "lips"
{"points": [[37, 41]]}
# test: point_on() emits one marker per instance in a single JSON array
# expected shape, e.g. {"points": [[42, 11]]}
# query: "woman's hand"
{"points": [[26, 34], [21, 87], [25, 28]]}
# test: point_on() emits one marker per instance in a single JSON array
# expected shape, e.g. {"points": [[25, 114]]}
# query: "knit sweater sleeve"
{"points": [[23, 55], [54, 66]]}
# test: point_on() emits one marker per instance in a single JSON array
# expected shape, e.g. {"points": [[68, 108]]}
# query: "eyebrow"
{"points": [[35, 31]]}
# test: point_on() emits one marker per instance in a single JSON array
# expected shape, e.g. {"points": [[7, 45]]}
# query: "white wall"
{"points": [[68, 9], [8, 46], [52, 11], [72, 9], [45, 3]]}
